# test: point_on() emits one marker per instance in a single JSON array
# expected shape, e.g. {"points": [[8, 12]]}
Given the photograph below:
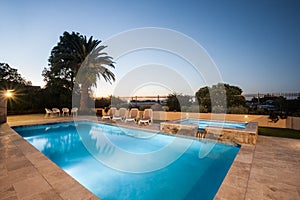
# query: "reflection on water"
{"points": [[57, 141], [115, 148], [102, 145]]}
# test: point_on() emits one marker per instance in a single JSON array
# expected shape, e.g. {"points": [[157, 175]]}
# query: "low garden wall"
{"points": [[262, 120]]}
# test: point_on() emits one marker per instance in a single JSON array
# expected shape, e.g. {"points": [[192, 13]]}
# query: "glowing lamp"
{"points": [[9, 93]]}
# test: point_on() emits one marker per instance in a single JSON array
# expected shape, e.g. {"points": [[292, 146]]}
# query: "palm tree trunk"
{"points": [[84, 97]]}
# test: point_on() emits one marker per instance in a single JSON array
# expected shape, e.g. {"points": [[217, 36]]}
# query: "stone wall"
{"points": [[180, 129], [240, 136]]}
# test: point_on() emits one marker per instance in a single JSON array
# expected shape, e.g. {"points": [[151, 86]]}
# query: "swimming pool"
{"points": [[81, 149], [204, 123]]}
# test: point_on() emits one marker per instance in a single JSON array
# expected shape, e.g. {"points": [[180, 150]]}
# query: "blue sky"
{"points": [[254, 44]]}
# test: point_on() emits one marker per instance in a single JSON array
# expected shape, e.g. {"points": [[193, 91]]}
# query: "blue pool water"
{"points": [[204, 123], [77, 148]]}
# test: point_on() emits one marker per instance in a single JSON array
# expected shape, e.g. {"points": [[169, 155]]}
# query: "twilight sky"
{"points": [[254, 44]]}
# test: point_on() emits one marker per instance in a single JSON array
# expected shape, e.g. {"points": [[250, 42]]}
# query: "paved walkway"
{"points": [[268, 170]]}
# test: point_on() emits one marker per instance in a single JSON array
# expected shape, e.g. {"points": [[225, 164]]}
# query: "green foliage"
{"points": [[157, 107], [173, 103], [279, 132], [176, 102], [191, 109], [10, 77], [237, 110], [143, 107], [102, 102], [220, 97], [25, 96], [273, 117], [218, 109], [75, 64]]}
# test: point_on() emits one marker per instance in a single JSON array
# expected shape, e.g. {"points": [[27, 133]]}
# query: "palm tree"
{"points": [[81, 61], [93, 67]]}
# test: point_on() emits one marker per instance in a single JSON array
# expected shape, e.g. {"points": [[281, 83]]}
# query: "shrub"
{"points": [[203, 109], [237, 110], [157, 107], [143, 107], [218, 109]]}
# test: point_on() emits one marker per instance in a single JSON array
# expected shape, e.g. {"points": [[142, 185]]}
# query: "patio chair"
{"points": [[74, 111], [133, 115], [49, 112], [65, 112], [56, 111], [110, 113], [121, 116], [147, 117]]}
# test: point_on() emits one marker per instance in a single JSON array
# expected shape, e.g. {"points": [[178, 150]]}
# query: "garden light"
{"points": [[9, 93]]}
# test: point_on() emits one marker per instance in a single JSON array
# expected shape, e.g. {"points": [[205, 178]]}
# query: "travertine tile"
{"points": [[272, 191], [6, 188], [45, 195], [16, 163], [76, 192], [227, 192], [240, 169], [298, 190], [26, 147], [289, 178], [31, 186], [244, 157], [3, 170], [62, 185], [9, 193]]}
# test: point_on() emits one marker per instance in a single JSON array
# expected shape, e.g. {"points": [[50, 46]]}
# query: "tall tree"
{"points": [[10, 75], [77, 62], [208, 96]]}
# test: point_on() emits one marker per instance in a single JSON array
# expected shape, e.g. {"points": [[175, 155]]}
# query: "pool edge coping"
{"points": [[44, 169], [218, 195]]}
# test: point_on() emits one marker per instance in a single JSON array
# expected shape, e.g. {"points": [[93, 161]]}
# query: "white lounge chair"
{"points": [[49, 113], [147, 117], [133, 115], [110, 113], [56, 111], [121, 116], [74, 111], [65, 112]]}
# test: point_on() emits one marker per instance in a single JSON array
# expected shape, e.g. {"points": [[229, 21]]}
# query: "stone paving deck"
{"points": [[268, 170]]}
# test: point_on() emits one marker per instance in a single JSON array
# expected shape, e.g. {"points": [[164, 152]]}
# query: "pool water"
{"points": [[196, 174], [204, 123]]}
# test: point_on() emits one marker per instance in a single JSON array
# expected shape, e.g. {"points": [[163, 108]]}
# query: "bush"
{"points": [[193, 109], [203, 109], [165, 108], [237, 110], [157, 107], [143, 107], [218, 109], [261, 111], [184, 108]]}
